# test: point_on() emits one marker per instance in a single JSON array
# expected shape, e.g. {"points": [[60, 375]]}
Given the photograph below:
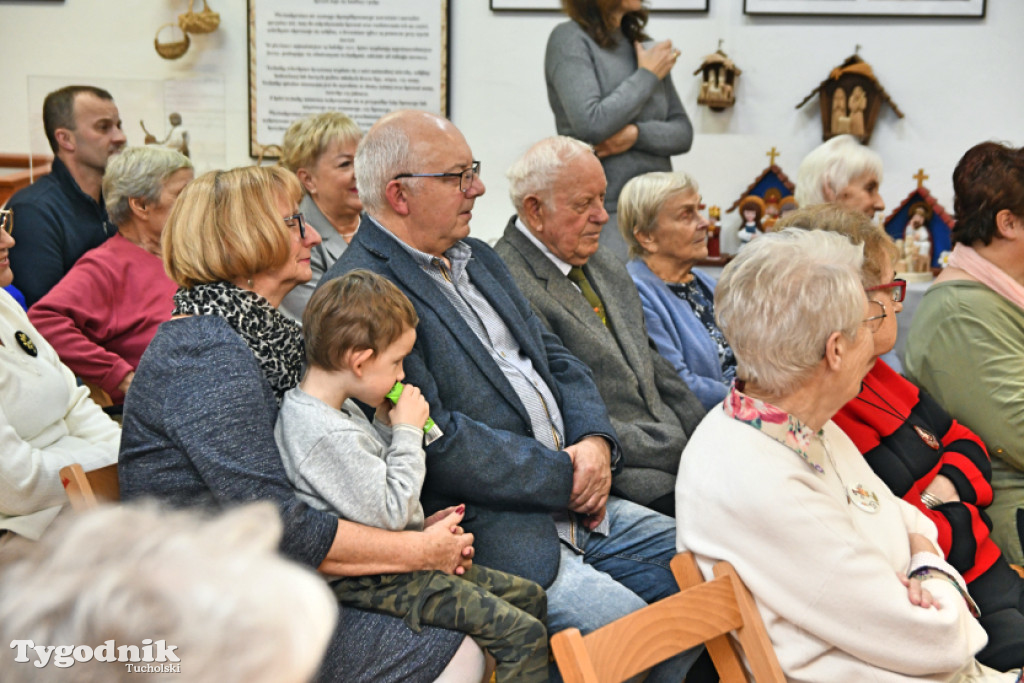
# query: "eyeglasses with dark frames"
{"points": [[898, 287], [297, 220], [874, 322], [465, 177], [7, 221]]}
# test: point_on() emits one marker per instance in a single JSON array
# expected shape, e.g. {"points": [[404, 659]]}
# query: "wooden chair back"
{"points": [[702, 612], [98, 395], [86, 490]]}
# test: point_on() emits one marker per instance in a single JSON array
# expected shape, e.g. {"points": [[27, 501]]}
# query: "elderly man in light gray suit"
{"points": [[585, 296]]}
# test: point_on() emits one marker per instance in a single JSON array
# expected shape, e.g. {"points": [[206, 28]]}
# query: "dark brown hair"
{"points": [[988, 179], [59, 109], [593, 16], [359, 310]]}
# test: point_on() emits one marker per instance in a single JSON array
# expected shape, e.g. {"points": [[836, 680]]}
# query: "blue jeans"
{"points": [[616, 575]]}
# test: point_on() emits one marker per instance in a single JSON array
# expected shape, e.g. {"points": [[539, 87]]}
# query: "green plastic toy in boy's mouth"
{"points": [[431, 432]]}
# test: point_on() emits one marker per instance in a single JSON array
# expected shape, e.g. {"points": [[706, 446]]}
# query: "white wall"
{"points": [[957, 81]]}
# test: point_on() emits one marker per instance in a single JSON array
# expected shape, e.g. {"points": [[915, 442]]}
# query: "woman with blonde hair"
{"points": [[320, 150], [199, 420], [662, 223]]}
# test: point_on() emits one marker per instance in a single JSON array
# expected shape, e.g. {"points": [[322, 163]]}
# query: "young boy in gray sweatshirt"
{"points": [[358, 328]]}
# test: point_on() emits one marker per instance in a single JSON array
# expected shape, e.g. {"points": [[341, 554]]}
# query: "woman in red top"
{"points": [[102, 315], [925, 456]]}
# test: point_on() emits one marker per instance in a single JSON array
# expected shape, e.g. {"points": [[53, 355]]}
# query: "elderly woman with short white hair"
{"points": [[203, 600], [844, 172], [102, 315], [667, 234], [847, 576]]}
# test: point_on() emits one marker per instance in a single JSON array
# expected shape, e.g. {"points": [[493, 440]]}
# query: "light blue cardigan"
{"points": [[679, 334]]}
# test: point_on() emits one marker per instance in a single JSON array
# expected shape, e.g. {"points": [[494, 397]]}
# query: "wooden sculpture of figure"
{"points": [[771, 209], [705, 86], [752, 209], [714, 231], [840, 118], [727, 91], [714, 82], [177, 137], [917, 241], [858, 103], [718, 80]]}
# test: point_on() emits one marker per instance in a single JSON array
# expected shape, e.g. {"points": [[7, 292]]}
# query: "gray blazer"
{"points": [[321, 258], [651, 408]]}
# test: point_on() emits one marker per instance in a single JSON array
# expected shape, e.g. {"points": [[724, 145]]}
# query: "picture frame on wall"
{"points": [[556, 5], [310, 56], [868, 8]]}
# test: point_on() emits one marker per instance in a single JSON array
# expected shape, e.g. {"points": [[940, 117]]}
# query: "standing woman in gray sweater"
{"points": [[606, 88]]}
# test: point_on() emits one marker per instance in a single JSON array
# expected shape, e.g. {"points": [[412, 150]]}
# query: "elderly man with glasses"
{"points": [[527, 443]]}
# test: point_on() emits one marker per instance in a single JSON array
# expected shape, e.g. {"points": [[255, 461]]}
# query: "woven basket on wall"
{"points": [[172, 50], [205, 21]]}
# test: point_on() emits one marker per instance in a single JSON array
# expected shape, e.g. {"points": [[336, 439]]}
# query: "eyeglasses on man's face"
{"points": [[465, 177], [874, 322], [897, 289], [7, 221], [297, 220]]}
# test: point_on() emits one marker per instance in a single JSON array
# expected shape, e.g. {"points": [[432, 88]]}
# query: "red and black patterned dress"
{"points": [[908, 439]]}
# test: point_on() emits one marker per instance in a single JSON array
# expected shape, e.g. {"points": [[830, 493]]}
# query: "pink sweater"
{"points": [[104, 312]]}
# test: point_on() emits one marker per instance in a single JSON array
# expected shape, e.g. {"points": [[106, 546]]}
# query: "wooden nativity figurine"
{"points": [[760, 205], [921, 229], [718, 80], [851, 98]]}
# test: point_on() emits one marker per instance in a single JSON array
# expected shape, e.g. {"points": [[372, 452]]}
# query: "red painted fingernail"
{"points": [[460, 509]]}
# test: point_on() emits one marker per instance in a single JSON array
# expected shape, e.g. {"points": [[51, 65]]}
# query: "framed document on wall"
{"points": [[868, 8], [363, 59], [556, 5]]}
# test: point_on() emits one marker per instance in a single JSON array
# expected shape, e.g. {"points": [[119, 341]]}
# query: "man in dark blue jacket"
{"points": [[61, 216], [527, 443]]}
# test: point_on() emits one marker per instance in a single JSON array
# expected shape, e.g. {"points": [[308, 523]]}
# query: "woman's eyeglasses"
{"points": [[6, 221], [874, 322], [297, 220], [897, 287]]}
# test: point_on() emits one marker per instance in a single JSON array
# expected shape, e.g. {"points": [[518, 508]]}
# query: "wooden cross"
{"points": [[773, 153], [920, 177]]}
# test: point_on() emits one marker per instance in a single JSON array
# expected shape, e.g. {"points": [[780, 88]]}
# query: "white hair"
{"points": [[834, 164], [383, 153], [782, 296], [138, 173], [215, 588], [534, 173], [641, 200]]}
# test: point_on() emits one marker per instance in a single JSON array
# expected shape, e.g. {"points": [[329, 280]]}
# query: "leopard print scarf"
{"points": [[275, 340]]}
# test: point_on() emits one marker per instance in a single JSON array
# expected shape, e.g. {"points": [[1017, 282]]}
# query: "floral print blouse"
{"points": [[778, 424]]}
